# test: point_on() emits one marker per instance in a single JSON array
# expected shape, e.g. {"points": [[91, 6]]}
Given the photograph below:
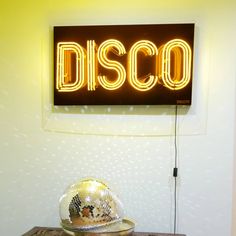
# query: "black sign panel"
{"points": [[123, 64]]}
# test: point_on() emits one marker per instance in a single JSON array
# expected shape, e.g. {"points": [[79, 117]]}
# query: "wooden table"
{"points": [[43, 231]]}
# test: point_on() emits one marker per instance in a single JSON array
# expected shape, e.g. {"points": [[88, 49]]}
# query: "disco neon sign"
{"points": [[123, 65]]}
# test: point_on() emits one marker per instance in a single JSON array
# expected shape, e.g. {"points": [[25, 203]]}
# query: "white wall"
{"points": [[234, 202], [234, 191], [40, 154]]}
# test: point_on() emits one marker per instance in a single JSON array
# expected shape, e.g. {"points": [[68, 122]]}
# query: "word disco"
{"points": [[123, 64], [77, 67]]}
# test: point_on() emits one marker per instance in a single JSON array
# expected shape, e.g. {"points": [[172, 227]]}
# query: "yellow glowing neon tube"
{"points": [[149, 81], [91, 66], [118, 48], [177, 82], [64, 74], [177, 73]]}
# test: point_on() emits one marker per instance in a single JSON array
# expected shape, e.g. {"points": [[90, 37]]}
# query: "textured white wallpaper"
{"points": [[44, 149]]}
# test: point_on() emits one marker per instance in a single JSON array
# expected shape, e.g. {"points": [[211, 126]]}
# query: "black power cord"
{"points": [[175, 169]]}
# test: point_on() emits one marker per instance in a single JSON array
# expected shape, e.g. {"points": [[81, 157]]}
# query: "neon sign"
{"points": [[123, 65]]}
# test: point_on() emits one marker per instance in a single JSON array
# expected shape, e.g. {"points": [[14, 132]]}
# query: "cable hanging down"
{"points": [[175, 169]]}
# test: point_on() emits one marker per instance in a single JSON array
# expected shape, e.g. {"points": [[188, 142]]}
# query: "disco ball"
{"points": [[90, 207]]}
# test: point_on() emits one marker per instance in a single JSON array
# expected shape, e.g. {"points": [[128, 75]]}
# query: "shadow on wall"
{"points": [[121, 110]]}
